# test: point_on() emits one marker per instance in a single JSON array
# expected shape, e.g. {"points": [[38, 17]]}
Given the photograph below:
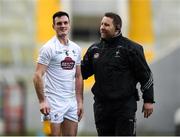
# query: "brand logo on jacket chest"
{"points": [[117, 54], [96, 55], [118, 51]]}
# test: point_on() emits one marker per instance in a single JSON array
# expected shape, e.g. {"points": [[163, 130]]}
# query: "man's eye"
{"points": [[59, 23], [65, 22]]}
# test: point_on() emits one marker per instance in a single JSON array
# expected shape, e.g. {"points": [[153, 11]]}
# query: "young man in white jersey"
{"points": [[58, 80]]}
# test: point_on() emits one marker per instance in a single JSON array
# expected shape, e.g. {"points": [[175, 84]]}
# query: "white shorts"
{"points": [[62, 108]]}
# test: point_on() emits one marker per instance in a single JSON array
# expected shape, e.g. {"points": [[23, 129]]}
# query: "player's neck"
{"points": [[63, 40]]}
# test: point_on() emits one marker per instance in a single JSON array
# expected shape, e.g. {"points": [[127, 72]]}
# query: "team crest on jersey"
{"points": [[96, 55], [74, 52], [67, 53], [67, 63]]}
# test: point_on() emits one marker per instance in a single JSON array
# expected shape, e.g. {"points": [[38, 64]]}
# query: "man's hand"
{"points": [[80, 111], [44, 108], [147, 109]]}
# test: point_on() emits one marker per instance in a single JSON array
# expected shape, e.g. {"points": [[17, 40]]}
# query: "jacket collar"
{"points": [[112, 40]]}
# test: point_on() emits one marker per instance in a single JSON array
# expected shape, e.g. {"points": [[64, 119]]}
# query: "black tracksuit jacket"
{"points": [[118, 64]]}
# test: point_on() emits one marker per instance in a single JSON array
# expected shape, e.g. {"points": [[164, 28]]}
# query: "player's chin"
{"points": [[62, 34]]}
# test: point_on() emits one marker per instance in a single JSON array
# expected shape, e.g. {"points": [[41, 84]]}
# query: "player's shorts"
{"points": [[61, 109]]}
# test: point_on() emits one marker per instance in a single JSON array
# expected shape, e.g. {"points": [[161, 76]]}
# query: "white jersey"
{"points": [[61, 61]]}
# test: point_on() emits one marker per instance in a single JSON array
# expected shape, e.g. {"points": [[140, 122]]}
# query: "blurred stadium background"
{"points": [[26, 24]]}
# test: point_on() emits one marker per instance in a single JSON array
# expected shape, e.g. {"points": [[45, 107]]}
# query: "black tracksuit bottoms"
{"points": [[112, 119]]}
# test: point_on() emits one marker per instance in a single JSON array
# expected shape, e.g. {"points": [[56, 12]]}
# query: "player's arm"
{"points": [[38, 84], [79, 90]]}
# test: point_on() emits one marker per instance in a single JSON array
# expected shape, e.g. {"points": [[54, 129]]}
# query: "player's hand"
{"points": [[44, 108], [80, 111], [147, 109]]}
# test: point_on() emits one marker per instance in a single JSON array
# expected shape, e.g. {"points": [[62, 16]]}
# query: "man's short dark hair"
{"points": [[59, 14], [116, 19]]}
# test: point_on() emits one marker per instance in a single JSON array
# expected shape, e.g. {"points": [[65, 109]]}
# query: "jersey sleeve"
{"points": [[79, 56], [44, 55]]}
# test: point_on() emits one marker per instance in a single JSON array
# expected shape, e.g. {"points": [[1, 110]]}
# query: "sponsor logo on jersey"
{"points": [[67, 63]]}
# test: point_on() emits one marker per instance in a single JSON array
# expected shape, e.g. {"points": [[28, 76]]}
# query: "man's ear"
{"points": [[117, 31], [53, 26], [118, 27]]}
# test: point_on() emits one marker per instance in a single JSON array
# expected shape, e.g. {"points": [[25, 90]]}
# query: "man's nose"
{"points": [[62, 25], [102, 27]]}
